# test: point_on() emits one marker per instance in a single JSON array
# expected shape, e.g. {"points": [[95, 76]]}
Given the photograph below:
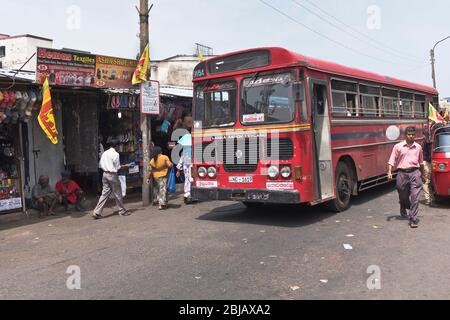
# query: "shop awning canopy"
{"points": [[165, 91], [18, 75]]}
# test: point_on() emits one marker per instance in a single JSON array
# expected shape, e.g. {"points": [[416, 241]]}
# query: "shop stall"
{"points": [[11, 195]]}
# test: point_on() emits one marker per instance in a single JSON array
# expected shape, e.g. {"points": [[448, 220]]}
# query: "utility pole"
{"points": [[433, 72], [146, 124]]}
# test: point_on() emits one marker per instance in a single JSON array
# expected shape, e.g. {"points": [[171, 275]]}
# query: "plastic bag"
{"points": [[123, 185], [171, 181]]}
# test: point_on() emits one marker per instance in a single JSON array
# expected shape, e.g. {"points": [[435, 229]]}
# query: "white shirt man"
{"points": [[110, 161], [110, 164]]}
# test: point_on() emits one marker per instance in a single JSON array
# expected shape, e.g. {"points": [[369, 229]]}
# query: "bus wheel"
{"points": [[343, 188]]}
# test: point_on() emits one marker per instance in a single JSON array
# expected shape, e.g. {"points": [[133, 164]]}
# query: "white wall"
{"points": [[18, 50], [176, 71]]}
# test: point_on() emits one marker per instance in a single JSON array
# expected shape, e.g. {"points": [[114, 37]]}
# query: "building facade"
{"points": [[16, 50]]}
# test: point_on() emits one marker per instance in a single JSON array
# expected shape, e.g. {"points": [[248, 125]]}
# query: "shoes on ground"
{"points": [[124, 214], [403, 213], [97, 216], [414, 223]]}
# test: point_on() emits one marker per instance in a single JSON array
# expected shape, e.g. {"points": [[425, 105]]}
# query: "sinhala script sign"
{"points": [[150, 97]]}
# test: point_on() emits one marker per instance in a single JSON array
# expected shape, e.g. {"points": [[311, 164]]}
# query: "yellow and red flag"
{"points": [[141, 73], [200, 56], [46, 118], [433, 115]]}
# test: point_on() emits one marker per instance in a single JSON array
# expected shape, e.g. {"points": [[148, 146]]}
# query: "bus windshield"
{"points": [[215, 104], [267, 99]]}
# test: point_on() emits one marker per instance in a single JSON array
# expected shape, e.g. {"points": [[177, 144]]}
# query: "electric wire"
{"points": [[362, 34], [378, 47], [328, 38]]}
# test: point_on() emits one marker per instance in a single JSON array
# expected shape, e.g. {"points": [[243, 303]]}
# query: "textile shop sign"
{"points": [[65, 68], [150, 97], [111, 72]]}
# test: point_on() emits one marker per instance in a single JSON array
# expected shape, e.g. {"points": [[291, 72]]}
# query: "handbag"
{"points": [[171, 181]]}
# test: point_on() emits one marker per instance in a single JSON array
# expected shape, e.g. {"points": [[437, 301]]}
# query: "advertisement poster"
{"points": [[112, 72], [150, 97], [65, 68]]}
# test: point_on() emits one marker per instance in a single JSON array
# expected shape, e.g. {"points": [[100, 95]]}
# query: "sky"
{"points": [[390, 37]]}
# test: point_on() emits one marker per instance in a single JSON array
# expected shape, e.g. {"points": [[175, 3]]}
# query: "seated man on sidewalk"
{"points": [[43, 197], [69, 192]]}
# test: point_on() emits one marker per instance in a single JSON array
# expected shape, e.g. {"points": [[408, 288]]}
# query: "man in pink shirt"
{"points": [[407, 157]]}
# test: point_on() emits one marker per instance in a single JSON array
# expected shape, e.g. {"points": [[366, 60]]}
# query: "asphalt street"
{"points": [[222, 250]]}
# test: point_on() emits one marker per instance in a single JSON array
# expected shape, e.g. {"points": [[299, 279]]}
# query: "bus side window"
{"points": [[339, 106], [351, 105]]}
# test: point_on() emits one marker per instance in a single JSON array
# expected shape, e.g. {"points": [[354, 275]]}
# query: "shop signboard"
{"points": [[10, 204], [150, 97], [112, 72], [65, 68]]}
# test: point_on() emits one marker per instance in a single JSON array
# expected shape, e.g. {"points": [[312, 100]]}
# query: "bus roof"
{"points": [[281, 57]]}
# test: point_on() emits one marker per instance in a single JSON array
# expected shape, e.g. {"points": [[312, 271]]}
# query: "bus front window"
{"points": [[215, 104], [267, 99]]}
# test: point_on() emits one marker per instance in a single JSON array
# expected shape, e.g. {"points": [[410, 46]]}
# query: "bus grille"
{"points": [[285, 152], [249, 156], [245, 156]]}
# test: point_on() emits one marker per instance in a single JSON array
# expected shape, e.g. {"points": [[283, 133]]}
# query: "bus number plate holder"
{"points": [[241, 179]]}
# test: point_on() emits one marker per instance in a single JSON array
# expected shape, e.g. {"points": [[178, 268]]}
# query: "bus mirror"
{"points": [[299, 91]]}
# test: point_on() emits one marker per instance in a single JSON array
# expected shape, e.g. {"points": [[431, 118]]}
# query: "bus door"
{"points": [[320, 124]]}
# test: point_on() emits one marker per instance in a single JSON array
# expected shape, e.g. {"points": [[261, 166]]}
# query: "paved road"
{"points": [[221, 250]]}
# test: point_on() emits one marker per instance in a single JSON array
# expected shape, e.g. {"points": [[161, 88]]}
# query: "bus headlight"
{"points": [[202, 172], [286, 172], [442, 166], [212, 172], [272, 172]]}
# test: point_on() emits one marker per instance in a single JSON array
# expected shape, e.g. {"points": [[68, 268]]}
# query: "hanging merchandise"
{"points": [[10, 182], [16, 106], [126, 130], [122, 102]]}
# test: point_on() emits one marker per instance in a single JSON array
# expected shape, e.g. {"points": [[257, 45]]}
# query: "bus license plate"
{"points": [[244, 179]]}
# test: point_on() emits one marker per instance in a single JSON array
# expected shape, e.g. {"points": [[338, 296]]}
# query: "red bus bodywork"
{"points": [[350, 153]]}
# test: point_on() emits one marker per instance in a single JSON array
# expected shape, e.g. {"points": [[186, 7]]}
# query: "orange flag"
{"points": [[433, 115], [141, 72], [46, 118]]}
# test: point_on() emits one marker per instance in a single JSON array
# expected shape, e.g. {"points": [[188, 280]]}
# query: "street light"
{"points": [[433, 73]]}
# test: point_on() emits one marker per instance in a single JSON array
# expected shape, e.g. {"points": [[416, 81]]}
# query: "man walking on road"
{"points": [[407, 157], [110, 164]]}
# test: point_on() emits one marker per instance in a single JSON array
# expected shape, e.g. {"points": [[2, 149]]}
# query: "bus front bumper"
{"points": [[247, 195]]}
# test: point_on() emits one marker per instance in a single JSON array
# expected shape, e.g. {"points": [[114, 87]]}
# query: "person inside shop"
{"points": [[185, 122], [69, 192], [44, 197]]}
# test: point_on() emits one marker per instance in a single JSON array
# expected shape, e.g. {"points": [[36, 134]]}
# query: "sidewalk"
{"points": [[131, 201]]}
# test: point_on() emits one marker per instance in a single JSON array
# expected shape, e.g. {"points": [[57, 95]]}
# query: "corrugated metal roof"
{"points": [[165, 90], [21, 75]]}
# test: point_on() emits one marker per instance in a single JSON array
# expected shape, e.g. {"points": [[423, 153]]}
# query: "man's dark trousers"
{"points": [[409, 185]]}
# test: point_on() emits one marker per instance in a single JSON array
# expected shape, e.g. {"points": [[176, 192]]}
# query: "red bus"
{"points": [[272, 126]]}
